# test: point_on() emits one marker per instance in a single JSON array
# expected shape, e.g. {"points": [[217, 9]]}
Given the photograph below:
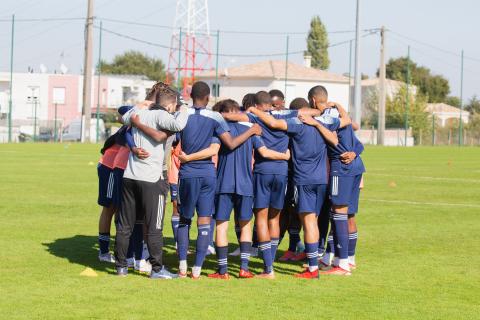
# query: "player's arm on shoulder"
{"points": [[345, 119], [235, 117], [272, 154], [309, 112], [126, 117], [156, 135], [200, 155], [173, 123], [329, 136], [232, 143], [269, 120]]}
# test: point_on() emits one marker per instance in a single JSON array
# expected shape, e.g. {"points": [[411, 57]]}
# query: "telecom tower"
{"points": [[190, 47]]}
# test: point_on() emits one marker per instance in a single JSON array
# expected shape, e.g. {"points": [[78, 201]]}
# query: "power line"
{"points": [[42, 19]]}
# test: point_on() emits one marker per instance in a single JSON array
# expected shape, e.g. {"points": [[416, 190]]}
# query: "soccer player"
{"points": [[144, 187], [278, 99], [235, 191], [310, 174], [174, 166], [289, 219], [344, 180], [197, 179]]}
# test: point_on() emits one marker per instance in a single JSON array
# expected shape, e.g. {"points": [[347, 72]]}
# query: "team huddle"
{"points": [[279, 170]]}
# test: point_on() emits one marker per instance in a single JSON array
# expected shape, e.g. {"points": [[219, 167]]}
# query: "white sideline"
{"points": [[424, 177], [469, 205]]}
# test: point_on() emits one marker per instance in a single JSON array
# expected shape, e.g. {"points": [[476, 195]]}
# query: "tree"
{"points": [[135, 62], [434, 87], [418, 117], [473, 105], [317, 44], [453, 101]]}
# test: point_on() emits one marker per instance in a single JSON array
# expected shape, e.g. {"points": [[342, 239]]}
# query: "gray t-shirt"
{"points": [[151, 168]]}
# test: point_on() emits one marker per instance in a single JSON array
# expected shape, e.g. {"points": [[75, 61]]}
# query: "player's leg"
{"points": [[243, 207], [352, 225], [188, 193], [106, 184], [261, 203], [340, 190], [309, 204], [236, 252], [205, 207], [285, 224], [223, 208], [175, 216], [124, 221], [277, 200]]}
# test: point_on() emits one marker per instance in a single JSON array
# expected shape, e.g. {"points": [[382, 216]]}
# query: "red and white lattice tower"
{"points": [[190, 47]]}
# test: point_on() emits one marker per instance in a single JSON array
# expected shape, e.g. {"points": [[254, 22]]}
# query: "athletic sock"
{"points": [[274, 246], [352, 244], [245, 249], [222, 253], [238, 231], [341, 236], [311, 249], [182, 245], [175, 223], [265, 248], [294, 239], [203, 240], [103, 242], [130, 250], [330, 244], [137, 237]]}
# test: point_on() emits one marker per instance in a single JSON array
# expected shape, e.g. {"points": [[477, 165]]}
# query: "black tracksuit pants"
{"points": [[145, 201]]}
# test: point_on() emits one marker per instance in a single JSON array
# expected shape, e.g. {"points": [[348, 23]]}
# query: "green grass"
{"points": [[418, 251]]}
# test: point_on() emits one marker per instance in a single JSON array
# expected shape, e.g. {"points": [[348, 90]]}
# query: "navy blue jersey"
{"points": [[234, 169], [309, 152], [347, 142], [276, 140], [198, 134]]}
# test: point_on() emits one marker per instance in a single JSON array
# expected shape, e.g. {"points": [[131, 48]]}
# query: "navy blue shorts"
{"points": [[106, 185], [117, 187], [242, 205], [173, 191], [310, 198], [269, 190], [196, 194], [345, 191]]}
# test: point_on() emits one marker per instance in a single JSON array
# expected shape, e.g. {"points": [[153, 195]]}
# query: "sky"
{"points": [[437, 31]]}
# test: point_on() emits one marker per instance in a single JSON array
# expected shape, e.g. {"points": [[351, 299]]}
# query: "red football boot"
{"points": [[217, 275], [307, 274], [245, 274]]}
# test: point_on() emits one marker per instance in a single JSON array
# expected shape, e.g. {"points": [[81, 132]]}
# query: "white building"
{"points": [[237, 81], [444, 112]]}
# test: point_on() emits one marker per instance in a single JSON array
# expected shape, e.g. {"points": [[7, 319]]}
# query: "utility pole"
{"points": [[350, 77], [358, 77], [460, 124], [286, 66], [98, 83], [11, 84], [381, 100], [87, 76], [407, 102], [217, 88]]}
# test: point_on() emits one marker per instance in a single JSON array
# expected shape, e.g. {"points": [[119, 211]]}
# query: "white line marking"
{"points": [[424, 177], [469, 205]]}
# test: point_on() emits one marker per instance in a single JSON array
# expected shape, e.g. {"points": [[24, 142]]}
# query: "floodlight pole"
{"points": [[98, 81], [11, 83], [286, 65], [460, 124], [358, 77], [217, 89], [407, 103]]}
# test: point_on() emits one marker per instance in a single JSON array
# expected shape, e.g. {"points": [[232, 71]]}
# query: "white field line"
{"points": [[420, 203], [413, 176]]}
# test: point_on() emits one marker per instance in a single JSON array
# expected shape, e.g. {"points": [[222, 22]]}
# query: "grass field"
{"points": [[418, 251]]}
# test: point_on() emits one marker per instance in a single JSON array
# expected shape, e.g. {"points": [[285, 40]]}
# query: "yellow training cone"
{"points": [[91, 163], [89, 272], [392, 184]]}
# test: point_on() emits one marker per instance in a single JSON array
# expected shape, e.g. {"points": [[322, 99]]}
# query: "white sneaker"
{"points": [[143, 266], [254, 252], [210, 250], [131, 262], [106, 257], [235, 253]]}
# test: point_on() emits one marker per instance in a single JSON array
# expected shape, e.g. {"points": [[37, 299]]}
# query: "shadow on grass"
{"points": [[83, 250]]}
